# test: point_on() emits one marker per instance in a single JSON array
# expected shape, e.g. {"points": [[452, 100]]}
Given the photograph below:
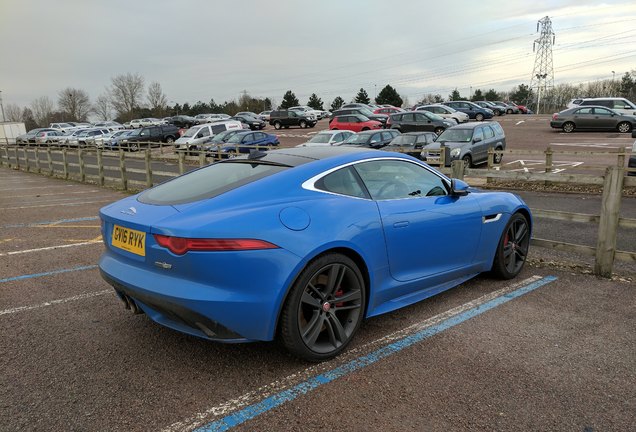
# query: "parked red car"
{"points": [[387, 110], [354, 122]]}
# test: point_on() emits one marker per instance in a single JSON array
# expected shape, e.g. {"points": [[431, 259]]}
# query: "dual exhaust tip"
{"points": [[131, 304]]}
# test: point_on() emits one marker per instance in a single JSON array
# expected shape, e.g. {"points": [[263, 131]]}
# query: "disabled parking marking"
{"points": [[256, 402], [53, 272], [528, 165], [55, 302]]}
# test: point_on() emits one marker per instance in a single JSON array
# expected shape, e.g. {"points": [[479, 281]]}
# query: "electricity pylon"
{"points": [[542, 78]]}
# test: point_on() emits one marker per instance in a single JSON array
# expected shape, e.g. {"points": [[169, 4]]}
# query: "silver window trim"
{"points": [[310, 184]]}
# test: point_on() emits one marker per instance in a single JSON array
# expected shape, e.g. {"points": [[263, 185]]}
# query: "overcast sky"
{"points": [[198, 50]]}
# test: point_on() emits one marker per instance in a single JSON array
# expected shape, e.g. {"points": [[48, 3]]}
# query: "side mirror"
{"points": [[458, 187], [476, 139]]}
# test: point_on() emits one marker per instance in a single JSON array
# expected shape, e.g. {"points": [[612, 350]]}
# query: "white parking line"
{"points": [[55, 205], [64, 246], [35, 188], [51, 194], [55, 302], [519, 122], [289, 381]]}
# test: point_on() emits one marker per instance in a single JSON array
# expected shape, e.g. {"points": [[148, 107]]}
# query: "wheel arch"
{"points": [[350, 253]]}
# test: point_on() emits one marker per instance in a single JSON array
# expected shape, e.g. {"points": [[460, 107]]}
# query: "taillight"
{"points": [[180, 245], [555, 116]]}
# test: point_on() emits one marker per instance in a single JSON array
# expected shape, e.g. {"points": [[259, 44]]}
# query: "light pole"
{"points": [[613, 75], [2, 107]]}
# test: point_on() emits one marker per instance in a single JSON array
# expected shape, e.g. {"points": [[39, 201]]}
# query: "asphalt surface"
{"points": [[560, 357]]}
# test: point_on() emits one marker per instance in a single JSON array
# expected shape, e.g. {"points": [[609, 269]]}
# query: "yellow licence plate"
{"points": [[129, 240]]}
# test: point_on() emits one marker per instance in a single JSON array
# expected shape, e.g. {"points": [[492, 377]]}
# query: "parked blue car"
{"points": [[474, 111], [302, 244], [243, 142]]}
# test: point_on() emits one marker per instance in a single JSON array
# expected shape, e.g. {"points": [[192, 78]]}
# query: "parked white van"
{"points": [[618, 104], [200, 134]]}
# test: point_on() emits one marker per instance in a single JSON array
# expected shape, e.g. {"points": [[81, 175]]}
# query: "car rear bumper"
{"points": [[243, 313], [556, 124]]}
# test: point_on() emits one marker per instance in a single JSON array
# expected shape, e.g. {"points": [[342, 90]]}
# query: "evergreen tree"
{"points": [[388, 95], [522, 94], [491, 95], [455, 95], [438, 98], [289, 100], [477, 96], [337, 103], [627, 85], [315, 102], [362, 97]]}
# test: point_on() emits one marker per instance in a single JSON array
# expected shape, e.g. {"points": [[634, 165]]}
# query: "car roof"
{"points": [[472, 125], [296, 156]]}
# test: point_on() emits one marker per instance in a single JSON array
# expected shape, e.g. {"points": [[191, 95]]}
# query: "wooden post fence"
{"points": [[608, 223], [148, 168], [122, 170]]}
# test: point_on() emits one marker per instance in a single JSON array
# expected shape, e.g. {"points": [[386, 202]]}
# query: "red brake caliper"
{"points": [[338, 294]]}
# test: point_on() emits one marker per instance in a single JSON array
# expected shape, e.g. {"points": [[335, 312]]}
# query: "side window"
{"points": [[393, 179], [479, 133], [584, 111], [488, 132], [498, 129], [387, 136], [218, 129], [155, 132], [602, 111], [397, 117], [204, 132], [248, 138], [421, 117], [410, 117], [259, 135], [376, 138], [343, 182], [337, 137]]}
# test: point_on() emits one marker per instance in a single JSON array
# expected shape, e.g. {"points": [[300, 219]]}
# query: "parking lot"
{"points": [[550, 350]]}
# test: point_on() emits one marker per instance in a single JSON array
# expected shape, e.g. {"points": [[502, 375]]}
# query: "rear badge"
{"points": [[131, 211], [163, 265]]}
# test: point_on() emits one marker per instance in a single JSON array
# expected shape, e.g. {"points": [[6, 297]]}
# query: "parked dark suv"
{"points": [[473, 110], [469, 142], [418, 121], [166, 133], [287, 118]]}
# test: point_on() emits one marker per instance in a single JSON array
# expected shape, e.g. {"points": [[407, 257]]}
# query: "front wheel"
{"points": [[303, 124], [498, 156], [467, 161], [169, 140], [276, 125], [512, 249], [324, 308], [365, 128], [479, 117], [624, 127]]}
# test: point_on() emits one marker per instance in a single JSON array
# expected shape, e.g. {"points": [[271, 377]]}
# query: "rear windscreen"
{"points": [[208, 182]]}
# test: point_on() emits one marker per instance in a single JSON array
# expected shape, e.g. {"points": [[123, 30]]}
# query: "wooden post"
{"points": [[49, 158], [620, 157], [122, 169], [26, 159], [442, 157], [608, 223], [201, 158], [491, 158], [65, 160], [37, 160], [100, 167], [6, 152], [148, 169], [548, 159], [181, 162], [17, 158], [457, 169], [82, 168]]}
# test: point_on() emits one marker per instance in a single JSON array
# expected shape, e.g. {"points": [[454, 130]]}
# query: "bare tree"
{"points": [[13, 113], [42, 109], [74, 103], [102, 107], [157, 99], [126, 93]]}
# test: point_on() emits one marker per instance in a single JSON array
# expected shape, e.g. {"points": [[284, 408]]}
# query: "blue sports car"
{"points": [[246, 141], [303, 243]]}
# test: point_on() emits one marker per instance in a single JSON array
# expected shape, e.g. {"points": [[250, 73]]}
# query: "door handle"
{"points": [[401, 224]]}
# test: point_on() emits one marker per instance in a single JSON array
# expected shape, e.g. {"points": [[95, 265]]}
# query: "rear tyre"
{"points": [[568, 127], [498, 156], [324, 308], [302, 124], [277, 125], [479, 117], [624, 127], [509, 111], [512, 249], [439, 130], [169, 140]]}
